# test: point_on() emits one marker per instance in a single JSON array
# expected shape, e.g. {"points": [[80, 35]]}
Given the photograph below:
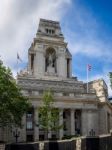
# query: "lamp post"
{"points": [[16, 134], [92, 132]]}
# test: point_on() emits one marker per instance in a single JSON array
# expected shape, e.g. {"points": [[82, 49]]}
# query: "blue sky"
{"points": [[88, 30], [86, 25]]}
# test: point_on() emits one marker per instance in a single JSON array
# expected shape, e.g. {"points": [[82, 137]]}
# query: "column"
{"points": [[72, 122], [84, 122], [70, 69], [23, 130], [36, 125], [61, 123]]}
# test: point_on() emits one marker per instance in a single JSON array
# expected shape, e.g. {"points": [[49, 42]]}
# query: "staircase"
{"points": [[2, 146]]}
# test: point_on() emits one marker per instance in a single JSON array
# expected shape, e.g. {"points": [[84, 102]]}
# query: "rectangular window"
{"points": [[40, 92], [65, 94], [30, 92], [32, 61], [49, 31], [68, 68], [53, 32], [29, 125], [64, 115], [29, 115]]}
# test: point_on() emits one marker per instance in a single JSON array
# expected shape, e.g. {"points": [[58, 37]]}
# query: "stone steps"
{"points": [[2, 146]]}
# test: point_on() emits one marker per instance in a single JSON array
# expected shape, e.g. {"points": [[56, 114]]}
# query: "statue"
{"points": [[50, 63], [50, 60]]}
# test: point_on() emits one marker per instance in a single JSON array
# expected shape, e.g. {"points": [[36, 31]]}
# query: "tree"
{"points": [[12, 103], [110, 75], [49, 115]]}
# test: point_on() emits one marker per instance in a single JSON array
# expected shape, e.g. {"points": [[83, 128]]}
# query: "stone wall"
{"points": [[83, 143]]}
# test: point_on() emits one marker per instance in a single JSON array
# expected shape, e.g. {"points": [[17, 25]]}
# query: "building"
{"points": [[50, 67]]}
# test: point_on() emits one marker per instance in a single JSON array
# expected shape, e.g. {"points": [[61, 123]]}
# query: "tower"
{"points": [[48, 55]]}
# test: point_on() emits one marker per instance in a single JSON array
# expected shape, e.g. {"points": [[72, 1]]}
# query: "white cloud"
{"points": [[86, 38], [93, 48], [19, 22], [87, 35]]}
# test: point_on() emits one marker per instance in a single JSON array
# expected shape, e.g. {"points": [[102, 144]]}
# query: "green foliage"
{"points": [[110, 76], [12, 103], [69, 136], [49, 115]]}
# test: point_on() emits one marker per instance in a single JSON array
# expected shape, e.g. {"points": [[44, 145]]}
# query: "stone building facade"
{"points": [[50, 67]]}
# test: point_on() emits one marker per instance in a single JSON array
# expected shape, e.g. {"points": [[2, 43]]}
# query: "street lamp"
{"points": [[92, 132], [16, 134]]}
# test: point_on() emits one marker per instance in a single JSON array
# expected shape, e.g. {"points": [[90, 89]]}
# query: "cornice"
{"points": [[52, 42], [67, 99], [53, 85]]}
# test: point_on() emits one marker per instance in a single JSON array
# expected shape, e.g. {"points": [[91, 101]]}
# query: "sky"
{"points": [[86, 25]]}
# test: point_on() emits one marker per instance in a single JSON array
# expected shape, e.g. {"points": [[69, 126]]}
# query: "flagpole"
{"points": [[87, 78], [17, 63], [18, 59], [17, 66]]}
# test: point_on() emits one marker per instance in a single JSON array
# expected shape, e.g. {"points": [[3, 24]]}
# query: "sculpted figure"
{"points": [[50, 60]]}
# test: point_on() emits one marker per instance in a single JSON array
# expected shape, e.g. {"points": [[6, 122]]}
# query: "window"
{"points": [[30, 92], [29, 125], [29, 115], [64, 115], [68, 68], [40, 92], [50, 31], [46, 30], [65, 94], [32, 61]]}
